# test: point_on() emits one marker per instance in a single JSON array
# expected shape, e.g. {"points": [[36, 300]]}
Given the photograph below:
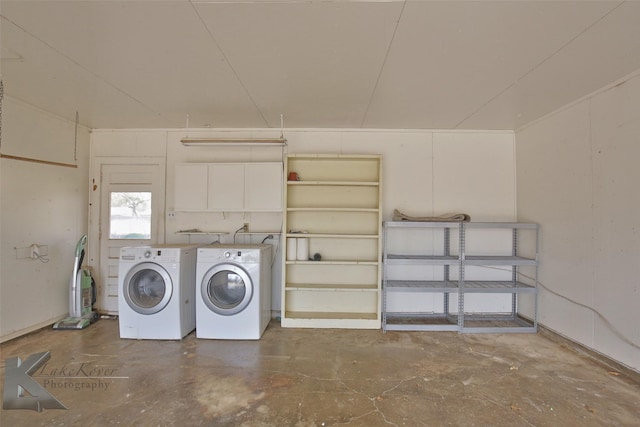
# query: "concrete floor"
{"points": [[314, 377]]}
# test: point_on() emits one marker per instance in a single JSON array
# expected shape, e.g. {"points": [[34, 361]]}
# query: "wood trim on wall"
{"points": [[44, 162]]}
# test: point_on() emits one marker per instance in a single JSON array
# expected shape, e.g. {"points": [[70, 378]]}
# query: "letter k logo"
{"points": [[17, 379]]}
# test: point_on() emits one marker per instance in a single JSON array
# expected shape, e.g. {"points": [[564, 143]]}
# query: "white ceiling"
{"points": [[321, 64]]}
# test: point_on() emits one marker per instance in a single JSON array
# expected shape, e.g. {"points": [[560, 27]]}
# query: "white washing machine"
{"points": [[157, 291], [233, 295]]}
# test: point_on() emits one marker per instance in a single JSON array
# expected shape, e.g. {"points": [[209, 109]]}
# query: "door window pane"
{"points": [[130, 215]]}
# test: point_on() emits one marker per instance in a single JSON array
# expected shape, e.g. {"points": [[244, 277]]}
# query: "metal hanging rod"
{"points": [[233, 141], [201, 142]]}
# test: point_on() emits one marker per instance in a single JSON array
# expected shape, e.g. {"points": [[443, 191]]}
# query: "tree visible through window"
{"points": [[130, 215]]}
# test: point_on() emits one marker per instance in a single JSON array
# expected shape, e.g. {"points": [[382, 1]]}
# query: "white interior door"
{"points": [[131, 213]]}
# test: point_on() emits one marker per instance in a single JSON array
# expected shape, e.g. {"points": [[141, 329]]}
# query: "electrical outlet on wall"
{"points": [[245, 227], [171, 215]]}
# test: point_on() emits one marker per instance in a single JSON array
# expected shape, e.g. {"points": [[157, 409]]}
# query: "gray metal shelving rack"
{"points": [[461, 320], [442, 321]]}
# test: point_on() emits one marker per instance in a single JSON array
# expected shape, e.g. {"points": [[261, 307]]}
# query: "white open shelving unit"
{"points": [[335, 204]]}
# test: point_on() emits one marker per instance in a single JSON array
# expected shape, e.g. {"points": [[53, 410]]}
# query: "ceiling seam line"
{"points": [[233, 70], [548, 58], [384, 62], [99, 77]]}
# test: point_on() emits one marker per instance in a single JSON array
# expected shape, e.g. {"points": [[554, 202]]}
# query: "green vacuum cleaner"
{"points": [[82, 294]]}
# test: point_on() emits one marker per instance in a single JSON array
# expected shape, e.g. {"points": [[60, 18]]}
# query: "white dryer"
{"points": [[233, 295], [157, 291]]}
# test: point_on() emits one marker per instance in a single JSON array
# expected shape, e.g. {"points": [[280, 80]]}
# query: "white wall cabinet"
{"points": [[335, 204], [228, 187], [190, 187], [260, 190]]}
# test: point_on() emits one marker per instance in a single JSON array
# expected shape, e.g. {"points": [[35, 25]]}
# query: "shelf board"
{"points": [[334, 236], [496, 323], [405, 321], [498, 260], [451, 260], [258, 232], [336, 183], [496, 286], [333, 320], [485, 286], [505, 225], [326, 319], [421, 286], [330, 288], [499, 330], [419, 327], [335, 262], [422, 259], [330, 315], [422, 224], [189, 232]]}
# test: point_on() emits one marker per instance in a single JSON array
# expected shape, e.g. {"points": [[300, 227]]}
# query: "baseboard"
{"points": [[30, 329], [611, 364]]}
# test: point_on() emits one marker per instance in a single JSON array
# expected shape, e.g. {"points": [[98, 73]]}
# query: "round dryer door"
{"points": [[226, 289], [147, 288]]}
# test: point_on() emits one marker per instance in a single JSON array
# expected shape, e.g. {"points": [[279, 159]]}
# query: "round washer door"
{"points": [[226, 289], [147, 288]]}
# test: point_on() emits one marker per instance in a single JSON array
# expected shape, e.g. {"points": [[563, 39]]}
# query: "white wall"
{"points": [[578, 176], [424, 173], [41, 204]]}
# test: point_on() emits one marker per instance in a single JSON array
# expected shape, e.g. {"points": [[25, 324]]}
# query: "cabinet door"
{"points": [[263, 187], [226, 187], [190, 187]]}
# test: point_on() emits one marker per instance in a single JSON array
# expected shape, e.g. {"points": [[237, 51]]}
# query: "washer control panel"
{"points": [[150, 254], [240, 256]]}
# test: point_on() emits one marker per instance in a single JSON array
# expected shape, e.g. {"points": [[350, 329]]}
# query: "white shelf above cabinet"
{"points": [[199, 232]]}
